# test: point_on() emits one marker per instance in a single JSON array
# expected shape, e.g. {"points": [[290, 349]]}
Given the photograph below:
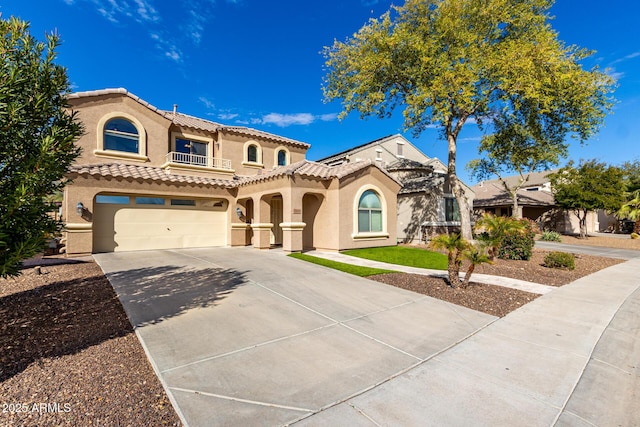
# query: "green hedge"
{"points": [[560, 260], [518, 244]]}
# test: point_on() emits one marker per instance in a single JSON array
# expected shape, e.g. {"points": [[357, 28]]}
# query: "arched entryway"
{"points": [[311, 203]]}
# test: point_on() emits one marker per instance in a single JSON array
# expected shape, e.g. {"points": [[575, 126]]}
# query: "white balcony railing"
{"points": [[198, 160]]}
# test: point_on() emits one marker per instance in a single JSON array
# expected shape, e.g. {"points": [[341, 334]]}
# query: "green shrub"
{"points": [[560, 260], [635, 235], [518, 244], [551, 236]]}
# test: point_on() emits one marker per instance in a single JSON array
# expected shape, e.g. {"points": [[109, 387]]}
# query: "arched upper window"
{"points": [[121, 135], [282, 158], [369, 213], [252, 153]]}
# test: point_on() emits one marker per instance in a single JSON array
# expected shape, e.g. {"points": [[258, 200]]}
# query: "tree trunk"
{"points": [[583, 224], [515, 209], [453, 268], [458, 191], [636, 227], [467, 276]]}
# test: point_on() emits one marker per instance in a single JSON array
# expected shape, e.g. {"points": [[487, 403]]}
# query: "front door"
{"points": [[276, 219]]}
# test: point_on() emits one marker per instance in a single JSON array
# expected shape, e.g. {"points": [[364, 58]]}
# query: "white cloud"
{"points": [[328, 117], [207, 102], [146, 11], [625, 58], [284, 120], [228, 116]]}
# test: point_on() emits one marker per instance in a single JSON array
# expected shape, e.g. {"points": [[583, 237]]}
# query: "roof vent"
{"points": [[175, 109]]}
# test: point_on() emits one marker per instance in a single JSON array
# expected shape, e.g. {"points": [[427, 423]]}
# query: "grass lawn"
{"points": [[347, 268], [403, 255]]}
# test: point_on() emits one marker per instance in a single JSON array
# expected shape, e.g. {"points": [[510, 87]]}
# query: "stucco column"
{"points": [[292, 236], [262, 227], [239, 234], [78, 226], [262, 235]]}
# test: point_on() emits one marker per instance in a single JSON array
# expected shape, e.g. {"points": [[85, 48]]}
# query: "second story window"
{"points": [[282, 158], [121, 135], [252, 154]]}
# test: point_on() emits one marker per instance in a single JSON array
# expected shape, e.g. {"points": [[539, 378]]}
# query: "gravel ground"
{"points": [[497, 300], [69, 355]]}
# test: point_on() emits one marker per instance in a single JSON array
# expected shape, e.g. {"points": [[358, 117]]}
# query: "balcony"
{"points": [[194, 164], [175, 158]]}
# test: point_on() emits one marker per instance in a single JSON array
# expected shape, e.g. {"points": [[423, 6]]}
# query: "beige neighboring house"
{"points": [[154, 179], [426, 204], [536, 202]]}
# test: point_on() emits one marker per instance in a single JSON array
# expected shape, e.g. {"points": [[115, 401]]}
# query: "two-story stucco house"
{"points": [[154, 179], [426, 204]]}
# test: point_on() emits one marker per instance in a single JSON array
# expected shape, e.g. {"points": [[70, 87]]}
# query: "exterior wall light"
{"points": [[79, 208]]}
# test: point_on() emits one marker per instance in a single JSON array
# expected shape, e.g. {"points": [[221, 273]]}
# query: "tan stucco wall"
{"points": [[232, 147], [350, 189], [92, 110]]}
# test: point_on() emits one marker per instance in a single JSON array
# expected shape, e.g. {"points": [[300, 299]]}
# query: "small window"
{"points": [[369, 213], [149, 201], [282, 158], [451, 209], [113, 200], [252, 154], [182, 202], [121, 135], [400, 150]]}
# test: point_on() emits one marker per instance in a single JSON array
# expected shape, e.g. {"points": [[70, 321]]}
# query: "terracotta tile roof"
{"points": [[147, 173], [309, 169], [491, 194], [115, 91], [266, 135], [184, 120]]}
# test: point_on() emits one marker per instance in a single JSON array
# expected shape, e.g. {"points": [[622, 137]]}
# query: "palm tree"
{"points": [[631, 210], [476, 255], [455, 246], [496, 228]]}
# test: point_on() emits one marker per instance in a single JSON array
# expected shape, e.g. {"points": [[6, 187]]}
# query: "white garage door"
{"points": [[129, 223]]}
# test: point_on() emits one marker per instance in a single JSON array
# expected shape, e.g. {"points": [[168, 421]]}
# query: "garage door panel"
{"points": [[130, 228]]}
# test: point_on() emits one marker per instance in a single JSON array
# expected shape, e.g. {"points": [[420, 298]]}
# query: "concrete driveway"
{"points": [[245, 337]]}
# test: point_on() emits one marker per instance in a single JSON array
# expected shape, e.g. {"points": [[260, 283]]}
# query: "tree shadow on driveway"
{"points": [[151, 295]]}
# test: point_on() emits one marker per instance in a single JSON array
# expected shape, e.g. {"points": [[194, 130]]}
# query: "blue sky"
{"points": [[258, 63]]}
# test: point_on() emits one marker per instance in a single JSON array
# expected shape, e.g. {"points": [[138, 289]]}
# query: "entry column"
{"points": [[262, 228]]}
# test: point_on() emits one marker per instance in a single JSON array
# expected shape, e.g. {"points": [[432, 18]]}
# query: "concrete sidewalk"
{"points": [[522, 285], [245, 337], [569, 358], [589, 250]]}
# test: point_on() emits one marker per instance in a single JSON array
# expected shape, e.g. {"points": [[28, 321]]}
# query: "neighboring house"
{"points": [[154, 179], [535, 202], [426, 205]]}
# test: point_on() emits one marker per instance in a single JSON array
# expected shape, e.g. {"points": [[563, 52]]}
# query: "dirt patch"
{"points": [[620, 242], [69, 354], [497, 300], [534, 271]]}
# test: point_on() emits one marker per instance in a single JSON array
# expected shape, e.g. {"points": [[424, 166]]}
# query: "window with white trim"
{"points": [[370, 213], [252, 153], [451, 209], [282, 157], [121, 135]]}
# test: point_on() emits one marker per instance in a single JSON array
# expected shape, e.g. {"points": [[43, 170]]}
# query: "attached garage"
{"points": [[134, 223]]}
